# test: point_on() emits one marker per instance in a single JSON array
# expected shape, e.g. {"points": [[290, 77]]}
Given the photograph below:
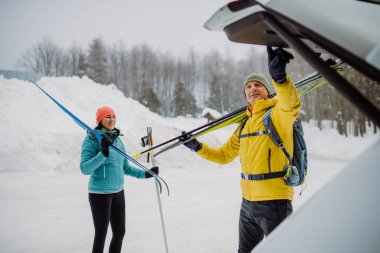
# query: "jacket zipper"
{"points": [[269, 150]]}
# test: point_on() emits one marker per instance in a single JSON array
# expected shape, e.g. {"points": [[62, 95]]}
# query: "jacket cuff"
{"points": [[202, 150], [287, 80]]}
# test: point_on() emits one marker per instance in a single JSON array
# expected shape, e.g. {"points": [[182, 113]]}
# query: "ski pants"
{"points": [[108, 208], [259, 218]]}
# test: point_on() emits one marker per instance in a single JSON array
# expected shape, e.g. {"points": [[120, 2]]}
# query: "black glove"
{"points": [[277, 61], [105, 142], [194, 144], [154, 170]]}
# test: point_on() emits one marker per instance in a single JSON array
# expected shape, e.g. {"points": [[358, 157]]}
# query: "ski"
{"points": [[157, 178], [227, 116], [231, 116], [237, 119]]}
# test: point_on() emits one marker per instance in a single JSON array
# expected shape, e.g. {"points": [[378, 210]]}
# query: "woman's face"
{"points": [[108, 122]]}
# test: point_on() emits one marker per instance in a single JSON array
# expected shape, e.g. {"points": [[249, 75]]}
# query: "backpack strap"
{"points": [[250, 134], [254, 134], [263, 176], [242, 126], [274, 136]]}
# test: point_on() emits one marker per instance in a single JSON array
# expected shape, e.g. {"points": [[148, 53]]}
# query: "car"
{"points": [[343, 215], [346, 29]]}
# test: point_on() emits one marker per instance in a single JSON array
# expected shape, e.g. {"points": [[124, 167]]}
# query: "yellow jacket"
{"points": [[259, 154]]}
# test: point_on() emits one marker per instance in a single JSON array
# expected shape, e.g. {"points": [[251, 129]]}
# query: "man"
{"points": [[266, 201]]}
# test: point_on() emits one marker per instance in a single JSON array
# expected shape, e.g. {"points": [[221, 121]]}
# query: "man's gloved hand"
{"points": [[194, 144], [155, 170], [106, 142], [277, 61]]}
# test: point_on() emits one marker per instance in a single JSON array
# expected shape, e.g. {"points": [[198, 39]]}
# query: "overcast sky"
{"points": [[174, 25]]}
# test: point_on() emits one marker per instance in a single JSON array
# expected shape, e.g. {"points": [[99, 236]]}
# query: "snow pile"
{"points": [[39, 136]]}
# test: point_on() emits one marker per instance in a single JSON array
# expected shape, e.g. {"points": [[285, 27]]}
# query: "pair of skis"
{"points": [[239, 115]]}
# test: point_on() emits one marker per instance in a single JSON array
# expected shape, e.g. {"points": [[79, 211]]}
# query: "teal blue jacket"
{"points": [[106, 174]]}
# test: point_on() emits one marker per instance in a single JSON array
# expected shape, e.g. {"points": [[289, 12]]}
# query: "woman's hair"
{"points": [[99, 127]]}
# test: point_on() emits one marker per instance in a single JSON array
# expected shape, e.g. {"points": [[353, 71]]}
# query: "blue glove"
{"points": [[277, 61], [155, 170], [194, 144]]}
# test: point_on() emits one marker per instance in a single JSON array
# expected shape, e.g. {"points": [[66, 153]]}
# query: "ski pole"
{"points": [[150, 144]]}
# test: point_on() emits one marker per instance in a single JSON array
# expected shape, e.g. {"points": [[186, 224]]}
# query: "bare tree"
{"points": [[43, 58], [166, 81], [30, 61], [76, 58]]}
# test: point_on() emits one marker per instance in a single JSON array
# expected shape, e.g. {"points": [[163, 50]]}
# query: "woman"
{"points": [[106, 185]]}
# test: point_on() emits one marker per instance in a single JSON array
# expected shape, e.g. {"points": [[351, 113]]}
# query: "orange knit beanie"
{"points": [[102, 112]]}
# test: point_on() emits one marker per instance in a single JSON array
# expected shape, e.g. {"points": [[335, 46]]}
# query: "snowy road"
{"points": [[49, 212]]}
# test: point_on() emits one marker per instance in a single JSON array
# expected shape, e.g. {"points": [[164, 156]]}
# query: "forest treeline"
{"points": [[184, 85]]}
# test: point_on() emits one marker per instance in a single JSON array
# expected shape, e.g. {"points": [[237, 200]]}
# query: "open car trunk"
{"points": [[346, 29]]}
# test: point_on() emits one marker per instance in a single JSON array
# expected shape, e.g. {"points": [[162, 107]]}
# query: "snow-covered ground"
{"points": [[43, 197]]}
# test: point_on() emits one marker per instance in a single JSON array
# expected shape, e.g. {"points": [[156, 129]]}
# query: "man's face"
{"points": [[254, 91]]}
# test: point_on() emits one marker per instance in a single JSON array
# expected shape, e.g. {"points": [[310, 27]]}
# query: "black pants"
{"points": [[108, 208], [259, 218]]}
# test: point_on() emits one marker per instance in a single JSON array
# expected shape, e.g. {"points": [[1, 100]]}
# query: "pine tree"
{"points": [[214, 101], [97, 61], [149, 99], [183, 102]]}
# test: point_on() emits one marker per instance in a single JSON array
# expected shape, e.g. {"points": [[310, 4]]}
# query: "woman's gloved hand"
{"points": [[155, 170], [105, 143]]}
